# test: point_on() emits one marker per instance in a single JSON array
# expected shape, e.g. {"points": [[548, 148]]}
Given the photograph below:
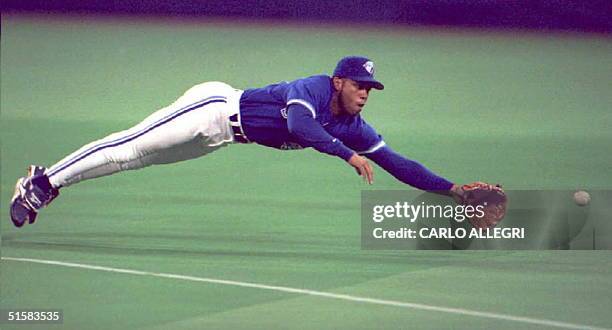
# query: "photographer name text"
{"points": [[449, 233]]}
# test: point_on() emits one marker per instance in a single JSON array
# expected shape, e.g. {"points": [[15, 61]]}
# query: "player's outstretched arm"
{"points": [[416, 175], [410, 172]]}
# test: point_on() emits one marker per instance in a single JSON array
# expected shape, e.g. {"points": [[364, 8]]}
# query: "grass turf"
{"points": [[530, 111]]}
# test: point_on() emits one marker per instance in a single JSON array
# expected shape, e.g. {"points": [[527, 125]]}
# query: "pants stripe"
{"points": [[130, 137]]}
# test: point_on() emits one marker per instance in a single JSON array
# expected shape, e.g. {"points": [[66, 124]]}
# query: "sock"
{"points": [[42, 181]]}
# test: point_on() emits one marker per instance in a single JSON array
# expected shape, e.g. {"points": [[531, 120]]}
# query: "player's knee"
{"points": [[133, 164], [120, 154]]}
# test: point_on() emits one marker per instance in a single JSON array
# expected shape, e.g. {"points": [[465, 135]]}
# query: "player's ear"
{"points": [[338, 82]]}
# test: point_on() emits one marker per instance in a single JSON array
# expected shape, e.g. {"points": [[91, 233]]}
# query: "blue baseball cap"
{"points": [[358, 68]]}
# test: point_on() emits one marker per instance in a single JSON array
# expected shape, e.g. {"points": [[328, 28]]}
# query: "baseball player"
{"points": [[321, 112]]}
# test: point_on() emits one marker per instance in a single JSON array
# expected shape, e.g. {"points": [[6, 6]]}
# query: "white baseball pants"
{"points": [[194, 125]]}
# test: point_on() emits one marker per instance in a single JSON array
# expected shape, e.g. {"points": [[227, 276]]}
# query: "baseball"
{"points": [[582, 198]]}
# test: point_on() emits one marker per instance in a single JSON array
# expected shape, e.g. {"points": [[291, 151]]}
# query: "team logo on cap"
{"points": [[369, 66]]}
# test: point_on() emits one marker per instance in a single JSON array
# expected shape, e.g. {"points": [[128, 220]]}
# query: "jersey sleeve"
{"points": [[310, 133], [409, 171], [306, 93], [364, 139]]}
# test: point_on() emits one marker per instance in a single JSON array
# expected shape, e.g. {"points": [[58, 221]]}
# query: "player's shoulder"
{"points": [[315, 90], [318, 82], [320, 78]]}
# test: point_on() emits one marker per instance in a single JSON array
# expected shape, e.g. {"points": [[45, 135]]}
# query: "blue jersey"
{"points": [[297, 114], [264, 117]]}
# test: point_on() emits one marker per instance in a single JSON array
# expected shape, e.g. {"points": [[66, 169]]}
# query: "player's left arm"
{"points": [[408, 171], [372, 146]]}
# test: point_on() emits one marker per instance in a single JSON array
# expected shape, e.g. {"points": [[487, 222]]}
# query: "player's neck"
{"points": [[336, 108]]}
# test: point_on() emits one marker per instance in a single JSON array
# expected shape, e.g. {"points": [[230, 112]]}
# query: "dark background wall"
{"points": [[595, 16]]}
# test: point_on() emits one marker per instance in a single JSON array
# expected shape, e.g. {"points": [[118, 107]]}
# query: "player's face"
{"points": [[353, 96]]}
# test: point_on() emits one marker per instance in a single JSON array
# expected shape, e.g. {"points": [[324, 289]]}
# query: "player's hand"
{"points": [[363, 168], [457, 193]]}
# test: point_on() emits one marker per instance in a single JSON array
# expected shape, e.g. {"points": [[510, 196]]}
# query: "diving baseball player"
{"points": [[321, 112]]}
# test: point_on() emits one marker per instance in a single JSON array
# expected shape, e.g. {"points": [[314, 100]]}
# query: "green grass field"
{"points": [[531, 111]]}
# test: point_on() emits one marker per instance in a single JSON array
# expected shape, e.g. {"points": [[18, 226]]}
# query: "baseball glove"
{"points": [[491, 199]]}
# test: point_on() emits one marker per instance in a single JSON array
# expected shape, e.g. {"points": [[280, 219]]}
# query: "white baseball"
{"points": [[582, 198]]}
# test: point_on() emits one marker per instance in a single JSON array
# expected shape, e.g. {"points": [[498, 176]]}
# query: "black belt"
{"points": [[239, 135]]}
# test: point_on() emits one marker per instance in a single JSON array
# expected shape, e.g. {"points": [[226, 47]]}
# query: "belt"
{"points": [[239, 135]]}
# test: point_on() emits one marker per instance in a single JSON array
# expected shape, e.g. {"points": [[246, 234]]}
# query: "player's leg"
{"points": [[190, 127], [194, 125]]}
